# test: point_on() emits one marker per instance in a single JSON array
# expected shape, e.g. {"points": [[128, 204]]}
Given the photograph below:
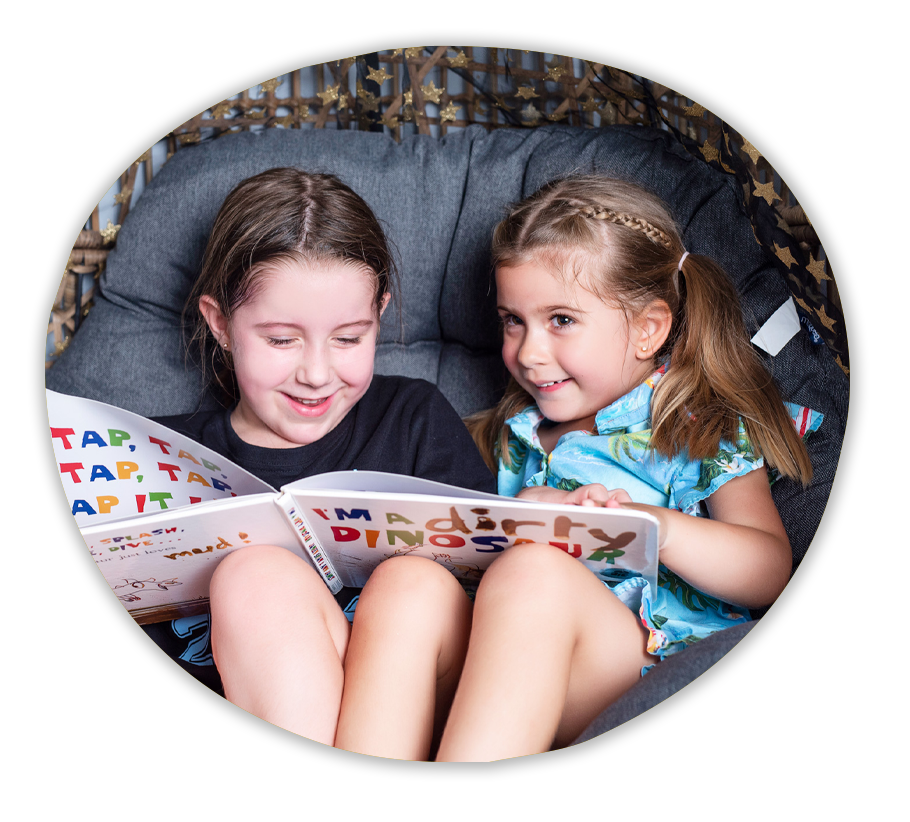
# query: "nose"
{"points": [[315, 367], [532, 349]]}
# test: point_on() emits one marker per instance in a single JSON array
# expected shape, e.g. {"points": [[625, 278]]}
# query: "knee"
{"points": [[530, 572], [412, 582], [260, 570]]}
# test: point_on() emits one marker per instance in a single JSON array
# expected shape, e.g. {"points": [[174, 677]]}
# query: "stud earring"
{"points": [[644, 348]]}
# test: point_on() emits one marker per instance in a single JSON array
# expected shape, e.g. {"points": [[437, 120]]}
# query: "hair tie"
{"points": [[681, 260]]}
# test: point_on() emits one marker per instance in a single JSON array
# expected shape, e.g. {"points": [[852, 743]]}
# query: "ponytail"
{"points": [[717, 378]]}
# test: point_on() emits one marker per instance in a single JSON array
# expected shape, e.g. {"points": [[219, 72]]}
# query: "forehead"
{"points": [[312, 287], [570, 274]]}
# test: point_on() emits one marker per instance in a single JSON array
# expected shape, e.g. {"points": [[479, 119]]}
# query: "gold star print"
{"points": [[449, 112], [330, 94], [255, 113], [526, 93], [751, 150], [709, 152], [269, 85], [784, 255], [368, 101], [826, 320], [409, 98], [555, 71], [555, 118], [432, 93], [303, 112], [766, 190], [378, 76], [695, 110], [221, 111], [817, 269], [590, 104], [287, 121], [342, 101], [410, 54], [187, 139], [460, 60], [109, 233], [844, 368], [396, 52], [389, 121], [802, 305], [123, 196]]}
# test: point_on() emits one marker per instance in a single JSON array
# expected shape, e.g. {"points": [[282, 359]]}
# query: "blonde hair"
{"points": [[632, 249]]}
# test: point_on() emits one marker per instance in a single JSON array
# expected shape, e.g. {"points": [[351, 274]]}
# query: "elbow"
{"points": [[775, 575]]}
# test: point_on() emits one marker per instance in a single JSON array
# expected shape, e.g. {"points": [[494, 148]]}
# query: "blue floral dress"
{"points": [[618, 456]]}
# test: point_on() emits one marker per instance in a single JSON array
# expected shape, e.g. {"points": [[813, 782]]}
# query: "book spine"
{"points": [[311, 545]]}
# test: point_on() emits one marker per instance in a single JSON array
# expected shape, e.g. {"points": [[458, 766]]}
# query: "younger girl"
{"points": [[286, 309], [633, 385]]}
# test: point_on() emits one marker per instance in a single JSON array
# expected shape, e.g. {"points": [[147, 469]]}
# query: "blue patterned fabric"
{"points": [[618, 456]]}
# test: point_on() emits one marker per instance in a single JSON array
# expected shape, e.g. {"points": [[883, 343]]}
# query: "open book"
{"points": [[158, 511]]}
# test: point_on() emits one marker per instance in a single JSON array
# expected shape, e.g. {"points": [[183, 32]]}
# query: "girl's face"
{"points": [[573, 353], [302, 350]]}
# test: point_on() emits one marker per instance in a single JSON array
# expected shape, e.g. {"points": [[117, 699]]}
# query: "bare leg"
{"points": [[279, 640], [550, 648], [407, 647]]}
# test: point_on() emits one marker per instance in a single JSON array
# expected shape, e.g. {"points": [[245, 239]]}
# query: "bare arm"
{"points": [[741, 555]]}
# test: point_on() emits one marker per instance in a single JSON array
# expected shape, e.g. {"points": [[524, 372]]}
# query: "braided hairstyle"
{"points": [[619, 241]]}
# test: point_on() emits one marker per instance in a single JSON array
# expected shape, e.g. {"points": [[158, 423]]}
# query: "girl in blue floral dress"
{"points": [[634, 385]]}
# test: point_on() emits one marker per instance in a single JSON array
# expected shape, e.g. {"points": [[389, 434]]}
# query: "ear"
{"points": [[385, 302], [215, 319], [651, 329]]}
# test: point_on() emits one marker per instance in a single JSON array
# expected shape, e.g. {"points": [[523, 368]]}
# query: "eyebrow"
{"points": [[343, 326], [549, 309]]}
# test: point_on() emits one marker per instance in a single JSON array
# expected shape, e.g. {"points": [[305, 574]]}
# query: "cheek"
{"points": [[355, 367], [510, 353], [260, 369]]}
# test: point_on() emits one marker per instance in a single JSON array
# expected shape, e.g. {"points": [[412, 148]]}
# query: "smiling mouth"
{"points": [[551, 384], [309, 403], [310, 407]]}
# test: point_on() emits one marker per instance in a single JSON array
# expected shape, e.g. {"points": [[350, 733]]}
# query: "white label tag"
{"points": [[778, 330]]}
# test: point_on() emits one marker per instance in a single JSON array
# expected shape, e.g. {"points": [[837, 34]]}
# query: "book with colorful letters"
{"points": [[158, 511]]}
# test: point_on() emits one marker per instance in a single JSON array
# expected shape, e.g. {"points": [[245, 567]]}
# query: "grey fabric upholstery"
{"points": [[438, 200]]}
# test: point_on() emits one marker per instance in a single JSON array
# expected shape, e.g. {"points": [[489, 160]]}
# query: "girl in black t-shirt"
{"points": [[286, 310]]}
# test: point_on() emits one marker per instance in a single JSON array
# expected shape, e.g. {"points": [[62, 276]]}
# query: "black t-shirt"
{"points": [[400, 426]]}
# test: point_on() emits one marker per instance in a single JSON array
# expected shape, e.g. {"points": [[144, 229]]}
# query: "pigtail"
{"points": [[717, 378]]}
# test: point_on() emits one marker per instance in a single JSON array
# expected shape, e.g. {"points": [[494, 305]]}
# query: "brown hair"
{"points": [[632, 248], [281, 214]]}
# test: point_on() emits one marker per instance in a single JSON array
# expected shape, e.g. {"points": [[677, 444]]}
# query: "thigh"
{"points": [[597, 644], [609, 654], [265, 593]]}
